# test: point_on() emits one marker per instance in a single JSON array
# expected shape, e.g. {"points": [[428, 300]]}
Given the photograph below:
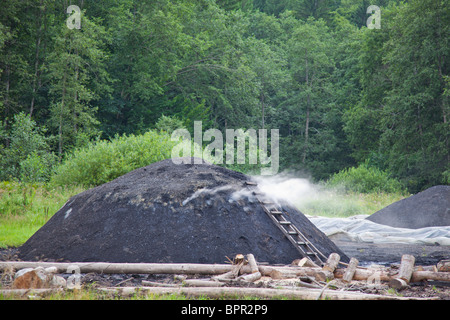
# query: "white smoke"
{"points": [[300, 192], [206, 191], [295, 190], [310, 198]]}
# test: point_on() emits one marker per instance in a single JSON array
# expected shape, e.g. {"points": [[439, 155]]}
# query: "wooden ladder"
{"points": [[292, 233]]}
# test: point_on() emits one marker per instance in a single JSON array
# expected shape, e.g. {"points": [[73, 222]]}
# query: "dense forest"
{"points": [[342, 94]]}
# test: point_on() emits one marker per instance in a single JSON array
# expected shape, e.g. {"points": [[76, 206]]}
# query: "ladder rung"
{"points": [[309, 253], [300, 243], [251, 183], [285, 222], [292, 232], [276, 212]]}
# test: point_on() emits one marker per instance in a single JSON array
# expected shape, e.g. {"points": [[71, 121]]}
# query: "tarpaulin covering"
{"points": [[358, 229]]}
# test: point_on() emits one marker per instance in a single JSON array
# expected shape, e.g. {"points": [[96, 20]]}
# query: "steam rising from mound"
{"points": [[193, 213]]}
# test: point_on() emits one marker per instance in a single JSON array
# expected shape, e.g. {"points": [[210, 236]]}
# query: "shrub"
{"points": [[102, 161], [28, 155], [169, 124], [365, 179], [37, 167]]}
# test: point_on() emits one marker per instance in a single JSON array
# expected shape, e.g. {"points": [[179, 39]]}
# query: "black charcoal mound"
{"points": [[429, 208], [186, 213]]}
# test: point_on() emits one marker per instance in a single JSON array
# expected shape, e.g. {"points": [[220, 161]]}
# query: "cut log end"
{"points": [[398, 284]]}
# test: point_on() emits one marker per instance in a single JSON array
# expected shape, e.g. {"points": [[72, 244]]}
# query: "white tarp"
{"points": [[357, 229]]}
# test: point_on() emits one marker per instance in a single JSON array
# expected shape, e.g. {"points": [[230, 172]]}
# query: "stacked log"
{"points": [[242, 271], [327, 272], [419, 274], [401, 281], [350, 271]]}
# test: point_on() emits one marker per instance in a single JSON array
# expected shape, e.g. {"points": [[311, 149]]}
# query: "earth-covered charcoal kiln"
{"points": [[186, 213]]}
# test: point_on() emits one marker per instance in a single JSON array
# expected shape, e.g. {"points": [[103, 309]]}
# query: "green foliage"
{"points": [[77, 75], [27, 156], [102, 161], [339, 93], [365, 179], [330, 202], [169, 124], [26, 207], [416, 130], [37, 167]]}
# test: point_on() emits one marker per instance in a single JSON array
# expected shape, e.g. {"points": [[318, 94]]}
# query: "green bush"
{"points": [[28, 156], [103, 161], [365, 179], [37, 167], [169, 124]]}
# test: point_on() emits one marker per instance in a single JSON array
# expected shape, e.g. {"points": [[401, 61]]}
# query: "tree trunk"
{"points": [[308, 105], [36, 57], [405, 273], [262, 109], [60, 140], [6, 101], [443, 266], [252, 263], [305, 147], [350, 271], [327, 272], [220, 292]]}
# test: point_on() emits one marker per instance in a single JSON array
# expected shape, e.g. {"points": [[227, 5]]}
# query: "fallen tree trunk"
{"points": [[130, 268], [443, 266], [216, 292], [418, 276], [250, 277], [157, 284], [201, 283], [220, 292]]}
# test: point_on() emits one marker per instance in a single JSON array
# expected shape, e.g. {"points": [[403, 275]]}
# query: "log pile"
{"points": [[244, 276]]}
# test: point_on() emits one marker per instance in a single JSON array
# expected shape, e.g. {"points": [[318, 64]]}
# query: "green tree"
{"points": [[14, 72], [415, 123], [28, 156], [311, 66], [362, 118], [77, 75]]}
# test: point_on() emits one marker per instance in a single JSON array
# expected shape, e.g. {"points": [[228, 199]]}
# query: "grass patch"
{"points": [[330, 203], [25, 207]]}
